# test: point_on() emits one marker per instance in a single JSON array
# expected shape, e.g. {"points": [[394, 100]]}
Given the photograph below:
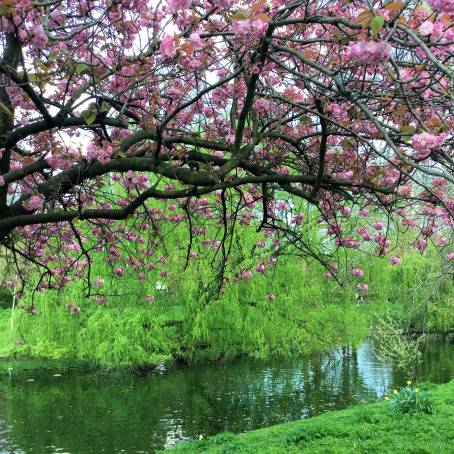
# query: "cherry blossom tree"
{"points": [[224, 110]]}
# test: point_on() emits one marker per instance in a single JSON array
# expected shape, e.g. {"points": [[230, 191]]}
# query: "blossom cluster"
{"points": [[369, 52], [425, 142], [442, 6]]}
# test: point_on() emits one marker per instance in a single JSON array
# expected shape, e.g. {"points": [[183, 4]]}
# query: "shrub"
{"points": [[411, 400], [393, 347]]}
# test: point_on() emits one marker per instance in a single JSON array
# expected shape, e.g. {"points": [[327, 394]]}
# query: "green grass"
{"points": [[370, 428]]}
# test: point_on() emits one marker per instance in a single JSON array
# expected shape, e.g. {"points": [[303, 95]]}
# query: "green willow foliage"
{"points": [[419, 290], [309, 313], [133, 332]]}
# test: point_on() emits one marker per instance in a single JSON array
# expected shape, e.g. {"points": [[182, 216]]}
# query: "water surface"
{"points": [[91, 413]]}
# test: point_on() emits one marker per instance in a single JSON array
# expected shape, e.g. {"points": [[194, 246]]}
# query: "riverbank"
{"points": [[367, 428]]}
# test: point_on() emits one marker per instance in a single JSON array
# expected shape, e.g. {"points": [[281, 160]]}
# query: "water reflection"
{"points": [[92, 413]]}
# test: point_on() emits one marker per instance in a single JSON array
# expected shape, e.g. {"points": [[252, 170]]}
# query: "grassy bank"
{"points": [[371, 428]]}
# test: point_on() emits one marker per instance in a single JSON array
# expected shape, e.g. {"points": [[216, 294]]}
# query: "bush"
{"points": [[411, 400], [393, 347]]}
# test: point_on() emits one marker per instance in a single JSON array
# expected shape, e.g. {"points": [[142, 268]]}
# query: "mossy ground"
{"points": [[370, 428]]}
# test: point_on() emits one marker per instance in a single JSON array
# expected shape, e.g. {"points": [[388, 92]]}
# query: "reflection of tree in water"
{"points": [[258, 396], [95, 414], [4, 437], [333, 381]]}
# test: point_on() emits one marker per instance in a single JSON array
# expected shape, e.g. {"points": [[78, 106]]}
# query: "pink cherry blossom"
{"points": [[442, 6], [100, 299], [369, 52], [298, 218], [249, 28], [98, 283], [346, 211], [358, 272], [35, 203], [131, 113], [425, 142], [421, 245], [39, 38], [167, 47], [261, 268], [246, 274], [426, 28], [442, 240], [378, 225], [395, 260], [364, 288], [176, 5]]}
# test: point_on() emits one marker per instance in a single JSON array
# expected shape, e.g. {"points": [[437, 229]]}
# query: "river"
{"points": [[76, 412]]}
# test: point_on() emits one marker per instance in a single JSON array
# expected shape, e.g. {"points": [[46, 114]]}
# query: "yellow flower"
{"points": [[386, 398], [200, 437], [417, 390], [408, 382], [395, 391]]}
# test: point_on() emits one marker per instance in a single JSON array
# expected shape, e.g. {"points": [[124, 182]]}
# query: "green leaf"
{"points": [[89, 116], [376, 25], [32, 77], [407, 132], [81, 68]]}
